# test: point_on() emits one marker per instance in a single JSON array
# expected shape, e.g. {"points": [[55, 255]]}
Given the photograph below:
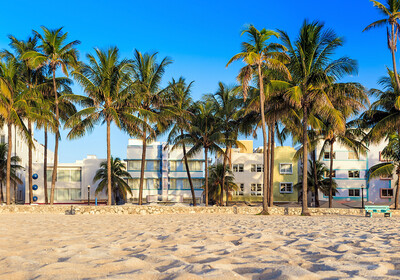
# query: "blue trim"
{"points": [[185, 171]]}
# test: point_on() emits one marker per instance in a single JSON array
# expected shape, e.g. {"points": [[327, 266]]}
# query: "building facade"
{"points": [[247, 167], [165, 176], [351, 175]]}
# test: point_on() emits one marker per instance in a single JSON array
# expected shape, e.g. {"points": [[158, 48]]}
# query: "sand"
{"points": [[197, 246]]}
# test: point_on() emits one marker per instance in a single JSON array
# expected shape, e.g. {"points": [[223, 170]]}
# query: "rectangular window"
{"points": [[240, 190], [194, 166], [286, 168], [352, 155], [65, 175], [134, 165], [354, 174], [326, 174], [386, 193], [172, 165], [382, 158], [152, 165], [260, 168], [286, 188], [354, 192], [66, 194], [253, 167], [3, 139], [197, 183], [386, 177], [327, 155], [238, 168], [256, 190], [172, 184]]}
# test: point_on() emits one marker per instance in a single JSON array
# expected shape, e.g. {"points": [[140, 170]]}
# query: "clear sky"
{"points": [[199, 35]]}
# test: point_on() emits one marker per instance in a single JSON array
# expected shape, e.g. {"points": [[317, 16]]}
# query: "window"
{"points": [[134, 164], [152, 165], [260, 167], [197, 183], [172, 165], [147, 184], [256, 190], [386, 193], [3, 139], [240, 190], [65, 175], [286, 168], [286, 188], [354, 174], [193, 165], [352, 155], [354, 192], [238, 168], [65, 194], [386, 177], [253, 167], [326, 175], [327, 155]]}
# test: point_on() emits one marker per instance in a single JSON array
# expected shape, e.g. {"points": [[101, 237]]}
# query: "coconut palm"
{"points": [[177, 109], [220, 176], [119, 177], [205, 133], [3, 168], [147, 99], [312, 69], [55, 53], [228, 109], [392, 154], [391, 11], [13, 106], [257, 54], [105, 80]]}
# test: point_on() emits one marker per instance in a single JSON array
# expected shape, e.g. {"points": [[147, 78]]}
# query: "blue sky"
{"points": [[200, 37]]}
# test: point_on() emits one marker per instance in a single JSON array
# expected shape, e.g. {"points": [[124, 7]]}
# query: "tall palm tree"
{"points": [[228, 109], [148, 97], [258, 53], [178, 111], [312, 69], [105, 80], [220, 178], [55, 53], [12, 108], [205, 133], [391, 153], [3, 168], [119, 177], [348, 99], [391, 11]]}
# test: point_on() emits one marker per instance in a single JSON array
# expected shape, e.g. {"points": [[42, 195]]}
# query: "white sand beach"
{"points": [[50, 246]]}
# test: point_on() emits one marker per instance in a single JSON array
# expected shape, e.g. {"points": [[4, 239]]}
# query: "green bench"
{"points": [[369, 209]]}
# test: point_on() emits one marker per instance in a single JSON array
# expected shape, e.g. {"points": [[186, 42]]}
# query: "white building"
{"points": [[165, 176], [350, 173]]}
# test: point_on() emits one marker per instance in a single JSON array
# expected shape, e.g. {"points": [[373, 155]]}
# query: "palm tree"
{"points": [[105, 81], [257, 54], [55, 53], [318, 170], [348, 99], [391, 11], [146, 80], [392, 154], [205, 133], [220, 176], [3, 168], [12, 108], [228, 109], [312, 69], [119, 176], [177, 109]]}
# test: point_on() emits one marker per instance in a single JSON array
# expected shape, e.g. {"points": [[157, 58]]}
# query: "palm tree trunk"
{"points": [[206, 173], [393, 50], [396, 199], [221, 197], [188, 173], [57, 136], [330, 174], [265, 145], [30, 162], [8, 171], [109, 189], [305, 211], [143, 165], [46, 195], [271, 176], [227, 187], [314, 158], [1, 193], [268, 168]]}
